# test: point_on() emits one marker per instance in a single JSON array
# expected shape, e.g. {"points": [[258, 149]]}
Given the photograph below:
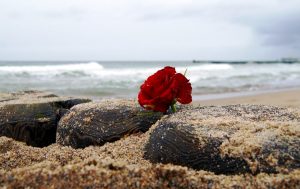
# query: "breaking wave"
{"points": [[111, 78]]}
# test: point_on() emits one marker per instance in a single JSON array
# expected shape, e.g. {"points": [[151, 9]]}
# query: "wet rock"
{"points": [[101, 122], [228, 140], [32, 116]]}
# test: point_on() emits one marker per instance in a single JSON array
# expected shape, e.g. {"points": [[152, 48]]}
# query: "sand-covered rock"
{"points": [[115, 165], [105, 121], [235, 140], [32, 116], [95, 173], [229, 140]]}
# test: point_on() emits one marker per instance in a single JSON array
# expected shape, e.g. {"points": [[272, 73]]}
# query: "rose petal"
{"points": [[184, 89], [160, 90]]}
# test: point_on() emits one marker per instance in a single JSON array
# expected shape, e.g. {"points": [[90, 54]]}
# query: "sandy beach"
{"points": [[284, 98], [242, 135], [150, 94]]}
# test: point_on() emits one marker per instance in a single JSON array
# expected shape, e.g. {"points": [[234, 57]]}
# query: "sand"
{"points": [[286, 98], [114, 165], [121, 164]]}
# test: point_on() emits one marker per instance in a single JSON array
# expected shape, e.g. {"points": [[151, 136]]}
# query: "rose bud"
{"points": [[163, 89]]}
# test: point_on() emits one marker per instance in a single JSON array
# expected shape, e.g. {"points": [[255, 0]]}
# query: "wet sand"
{"points": [[285, 98]]}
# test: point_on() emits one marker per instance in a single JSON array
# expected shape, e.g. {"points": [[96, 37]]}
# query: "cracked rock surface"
{"points": [[229, 139], [116, 144], [32, 116], [100, 122]]}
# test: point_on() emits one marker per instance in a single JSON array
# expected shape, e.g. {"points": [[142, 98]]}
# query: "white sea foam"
{"points": [[94, 69], [114, 77], [207, 67], [52, 69]]}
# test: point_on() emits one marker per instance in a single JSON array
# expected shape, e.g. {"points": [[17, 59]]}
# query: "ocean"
{"points": [[114, 79]]}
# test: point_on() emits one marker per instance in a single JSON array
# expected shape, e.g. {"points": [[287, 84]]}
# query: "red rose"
{"points": [[163, 89]]}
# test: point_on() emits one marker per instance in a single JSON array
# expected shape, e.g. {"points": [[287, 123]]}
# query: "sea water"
{"points": [[123, 79]]}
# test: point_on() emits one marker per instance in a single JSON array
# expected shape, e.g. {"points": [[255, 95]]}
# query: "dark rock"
{"points": [[31, 116], [105, 121], [228, 140]]}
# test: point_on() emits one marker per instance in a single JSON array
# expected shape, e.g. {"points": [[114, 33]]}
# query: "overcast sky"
{"points": [[149, 30]]}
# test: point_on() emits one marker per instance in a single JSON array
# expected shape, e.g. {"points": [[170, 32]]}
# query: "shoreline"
{"points": [[284, 98]]}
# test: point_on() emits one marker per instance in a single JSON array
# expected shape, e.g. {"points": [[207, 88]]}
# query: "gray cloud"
{"points": [[133, 29], [276, 23], [71, 12], [284, 30], [279, 27], [169, 13]]}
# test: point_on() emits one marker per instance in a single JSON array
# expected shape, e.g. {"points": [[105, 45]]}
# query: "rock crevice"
{"points": [[32, 116], [228, 140]]}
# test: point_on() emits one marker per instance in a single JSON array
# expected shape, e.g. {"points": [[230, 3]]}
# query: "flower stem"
{"points": [[173, 107], [185, 72]]}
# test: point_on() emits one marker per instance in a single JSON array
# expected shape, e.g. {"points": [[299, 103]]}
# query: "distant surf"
{"points": [[122, 79]]}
